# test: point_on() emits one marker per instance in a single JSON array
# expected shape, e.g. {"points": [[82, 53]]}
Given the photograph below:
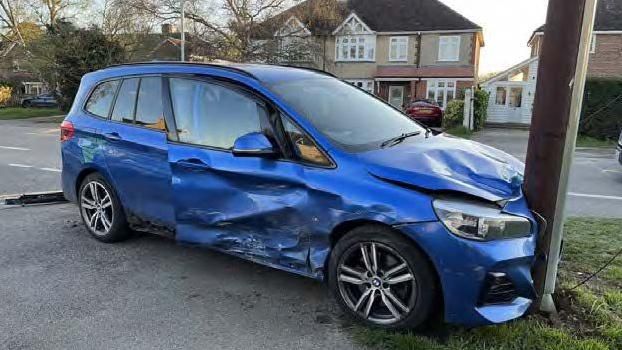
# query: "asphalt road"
{"points": [[61, 289], [595, 186], [29, 155]]}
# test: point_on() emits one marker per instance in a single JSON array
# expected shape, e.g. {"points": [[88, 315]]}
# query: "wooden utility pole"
{"points": [[557, 107]]}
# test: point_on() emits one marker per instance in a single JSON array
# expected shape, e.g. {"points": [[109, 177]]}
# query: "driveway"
{"points": [[595, 187], [61, 289]]}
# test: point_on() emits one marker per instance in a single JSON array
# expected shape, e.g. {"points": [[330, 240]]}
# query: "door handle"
{"points": [[113, 136], [193, 163]]}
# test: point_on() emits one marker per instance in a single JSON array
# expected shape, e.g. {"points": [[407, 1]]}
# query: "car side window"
{"points": [[211, 114], [100, 101], [303, 145], [149, 110], [123, 110]]}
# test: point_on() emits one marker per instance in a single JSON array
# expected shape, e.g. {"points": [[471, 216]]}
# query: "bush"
{"points": [[454, 114], [5, 95], [601, 116], [480, 108]]}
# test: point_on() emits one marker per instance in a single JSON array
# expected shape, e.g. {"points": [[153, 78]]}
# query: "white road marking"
{"points": [[20, 165], [612, 171], [574, 194], [15, 148], [51, 169]]}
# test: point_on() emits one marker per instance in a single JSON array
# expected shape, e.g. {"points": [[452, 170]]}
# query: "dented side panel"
{"points": [[279, 213]]}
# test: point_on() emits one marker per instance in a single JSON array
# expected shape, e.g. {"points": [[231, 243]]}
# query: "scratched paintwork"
{"points": [[284, 214]]}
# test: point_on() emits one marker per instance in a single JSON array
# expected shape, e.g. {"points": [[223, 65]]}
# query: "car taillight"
{"points": [[66, 131]]}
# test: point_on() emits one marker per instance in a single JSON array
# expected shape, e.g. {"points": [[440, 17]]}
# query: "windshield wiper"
{"points": [[395, 140]]}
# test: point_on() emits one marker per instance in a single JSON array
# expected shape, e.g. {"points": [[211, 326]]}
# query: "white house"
{"points": [[512, 93]]}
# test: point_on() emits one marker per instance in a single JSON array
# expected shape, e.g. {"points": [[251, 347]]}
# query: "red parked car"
{"points": [[427, 112]]}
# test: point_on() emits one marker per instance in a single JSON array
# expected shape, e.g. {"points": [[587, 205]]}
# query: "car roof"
{"points": [[261, 72]]}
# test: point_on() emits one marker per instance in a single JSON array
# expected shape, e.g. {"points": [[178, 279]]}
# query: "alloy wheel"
{"points": [[97, 208], [376, 283]]}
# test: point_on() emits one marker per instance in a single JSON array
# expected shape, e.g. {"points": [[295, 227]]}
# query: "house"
{"points": [[397, 49], [512, 91], [606, 45], [14, 70]]}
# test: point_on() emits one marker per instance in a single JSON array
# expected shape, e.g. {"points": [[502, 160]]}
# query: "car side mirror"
{"points": [[254, 144]]}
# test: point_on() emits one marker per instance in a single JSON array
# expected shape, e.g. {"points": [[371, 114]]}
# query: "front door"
{"points": [[515, 104], [396, 96], [241, 205]]}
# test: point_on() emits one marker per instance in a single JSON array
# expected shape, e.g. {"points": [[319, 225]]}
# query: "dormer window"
{"points": [[355, 41]]}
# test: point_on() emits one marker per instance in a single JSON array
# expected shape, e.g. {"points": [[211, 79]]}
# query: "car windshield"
{"points": [[349, 117]]}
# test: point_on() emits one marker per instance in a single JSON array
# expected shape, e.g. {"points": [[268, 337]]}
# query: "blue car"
{"points": [[297, 170]]}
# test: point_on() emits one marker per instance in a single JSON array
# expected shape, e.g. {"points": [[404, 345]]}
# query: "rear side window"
{"points": [[101, 99], [149, 111], [123, 110], [213, 115]]}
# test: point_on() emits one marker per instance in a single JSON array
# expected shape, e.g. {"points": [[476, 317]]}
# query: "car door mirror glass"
{"points": [[254, 144]]}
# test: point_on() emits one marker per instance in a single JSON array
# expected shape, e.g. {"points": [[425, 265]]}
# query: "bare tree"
{"points": [[11, 13]]}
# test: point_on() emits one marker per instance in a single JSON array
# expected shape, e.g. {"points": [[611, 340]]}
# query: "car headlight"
{"points": [[480, 221]]}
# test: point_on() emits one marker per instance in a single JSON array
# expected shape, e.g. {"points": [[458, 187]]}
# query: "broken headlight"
{"points": [[480, 221]]}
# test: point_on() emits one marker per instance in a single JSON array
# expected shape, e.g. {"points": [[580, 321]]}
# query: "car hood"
{"points": [[444, 163]]}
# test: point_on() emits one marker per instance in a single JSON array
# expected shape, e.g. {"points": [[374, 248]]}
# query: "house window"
{"points": [[449, 48], [442, 91], [593, 44], [398, 50], [356, 48], [516, 97], [356, 41], [365, 84], [501, 96]]}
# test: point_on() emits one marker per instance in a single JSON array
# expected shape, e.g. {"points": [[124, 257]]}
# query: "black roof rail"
{"points": [[213, 65], [316, 70]]}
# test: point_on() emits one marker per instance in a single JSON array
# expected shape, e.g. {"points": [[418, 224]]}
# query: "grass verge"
{"points": [[590, 316], [588, 141], [24, 113], [459, 131]]}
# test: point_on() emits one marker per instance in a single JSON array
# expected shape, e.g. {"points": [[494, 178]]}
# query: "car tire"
{"points": [[102, 213], [350, 278]]}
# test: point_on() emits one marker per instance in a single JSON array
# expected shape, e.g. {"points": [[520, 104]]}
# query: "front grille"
{"points": [[498, 289]]}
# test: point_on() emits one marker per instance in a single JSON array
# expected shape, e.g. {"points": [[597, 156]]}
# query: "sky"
{"points": [[507, 24]]}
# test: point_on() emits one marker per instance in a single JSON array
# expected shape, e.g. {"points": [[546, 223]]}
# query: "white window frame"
{"points": [[354, 34], [445, 40], [432, 84], [593, 44], [398, 49], [363, 84]]}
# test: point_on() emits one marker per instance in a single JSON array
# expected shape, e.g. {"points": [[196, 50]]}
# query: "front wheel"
{"points": [[101, 210], [381, 279]]}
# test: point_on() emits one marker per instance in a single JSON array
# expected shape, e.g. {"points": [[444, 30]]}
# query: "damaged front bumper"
{"points": [[482, 282]]}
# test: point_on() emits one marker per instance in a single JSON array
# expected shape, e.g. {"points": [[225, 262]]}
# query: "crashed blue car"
{"points": [[297, 170]]}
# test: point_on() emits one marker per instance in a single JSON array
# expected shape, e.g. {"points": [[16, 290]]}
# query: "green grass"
{"points": [[590, 316], [24, 113], [587, 141], [460, 131]]}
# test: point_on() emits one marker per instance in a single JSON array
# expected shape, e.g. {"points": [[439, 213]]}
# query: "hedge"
{"points": [[601, 116], [454, 114]]}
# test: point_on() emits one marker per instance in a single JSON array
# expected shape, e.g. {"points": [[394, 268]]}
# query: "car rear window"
{"points": [[100, 101]]}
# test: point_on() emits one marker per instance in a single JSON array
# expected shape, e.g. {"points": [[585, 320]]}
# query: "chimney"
{"points": [[168, 28]]}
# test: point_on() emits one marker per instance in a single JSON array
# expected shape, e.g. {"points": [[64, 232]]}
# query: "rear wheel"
{"points": [[101, 210], [381, 279]]}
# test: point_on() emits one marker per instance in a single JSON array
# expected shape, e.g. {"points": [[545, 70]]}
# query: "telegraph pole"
{"points": [[183, 31], [557, 107]]}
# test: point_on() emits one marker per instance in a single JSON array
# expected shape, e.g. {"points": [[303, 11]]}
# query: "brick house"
{"points": [[398, 49], [606, 48], [14, 69], [512, 92]]}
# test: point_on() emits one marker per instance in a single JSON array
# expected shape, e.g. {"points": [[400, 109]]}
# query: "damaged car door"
{"points": [[242, 201]]}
